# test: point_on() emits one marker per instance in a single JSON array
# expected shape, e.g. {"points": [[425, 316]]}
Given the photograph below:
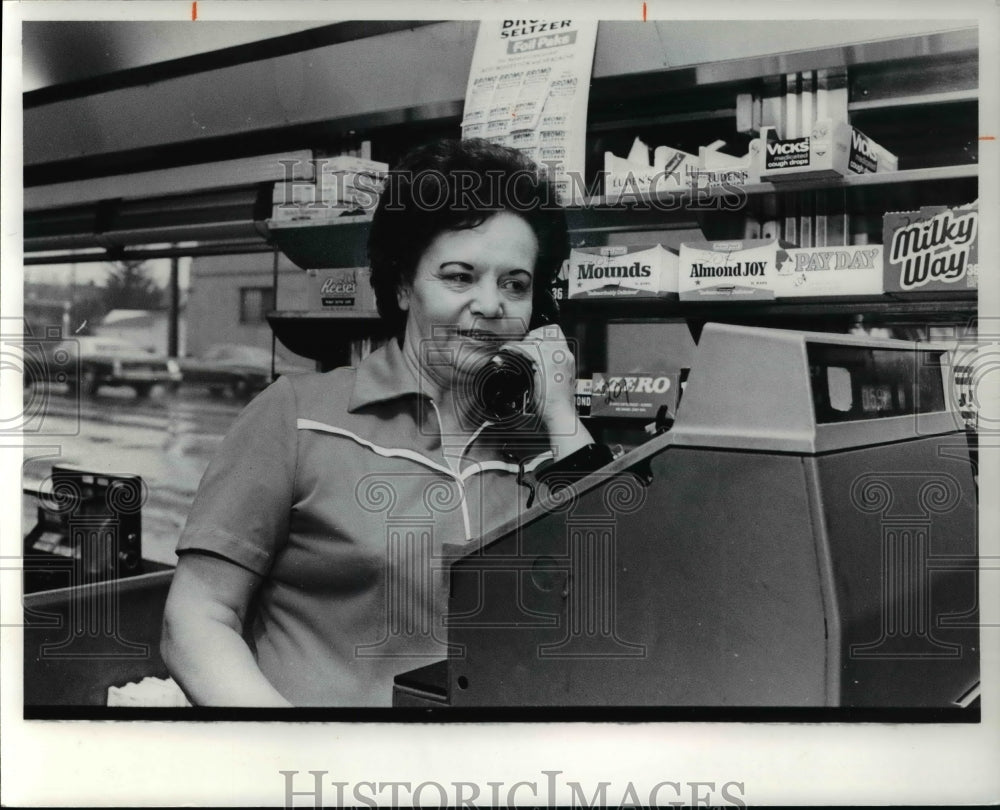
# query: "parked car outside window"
{"points": [[89, 363], [242, 371]]}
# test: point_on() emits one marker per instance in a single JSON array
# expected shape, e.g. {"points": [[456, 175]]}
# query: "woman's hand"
{"points": [[555, 387]]}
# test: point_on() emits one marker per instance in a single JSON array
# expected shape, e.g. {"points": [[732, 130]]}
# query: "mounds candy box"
{"points": [[637, 394], [732, 270], [622, 272], [843, 270], [933, 249], [341, 289], [832, 149]]}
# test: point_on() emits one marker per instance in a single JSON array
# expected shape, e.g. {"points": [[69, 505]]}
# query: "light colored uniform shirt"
{"points": [[335, 488]]}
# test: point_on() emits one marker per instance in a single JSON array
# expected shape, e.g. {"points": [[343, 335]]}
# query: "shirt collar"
{"points": [[381, 376]]}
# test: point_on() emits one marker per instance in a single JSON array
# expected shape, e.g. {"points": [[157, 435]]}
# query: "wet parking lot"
{"points": [[168, 439]]}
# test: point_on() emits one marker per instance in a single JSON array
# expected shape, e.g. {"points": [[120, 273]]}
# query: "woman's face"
{"points": [[471, 292]]}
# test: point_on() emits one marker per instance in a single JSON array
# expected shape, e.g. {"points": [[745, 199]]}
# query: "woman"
{"points": [[310, 569]]}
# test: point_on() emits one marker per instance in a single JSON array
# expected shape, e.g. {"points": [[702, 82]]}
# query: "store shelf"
{"points": [[323, 336], [341, 243], [927, 306], [909, 176], [344, 243], [682, 209]]}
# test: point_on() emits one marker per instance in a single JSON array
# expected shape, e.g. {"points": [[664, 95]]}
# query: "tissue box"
{"points": [[933, 249], [846, 270], [341, 289], [734, 269], [622, 272], [832, 149]]}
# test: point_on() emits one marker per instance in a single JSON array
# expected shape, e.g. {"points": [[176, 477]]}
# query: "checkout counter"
{"points": [[804, 536]]}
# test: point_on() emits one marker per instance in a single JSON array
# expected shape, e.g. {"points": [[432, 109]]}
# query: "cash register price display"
{"points": [[857, 382]]}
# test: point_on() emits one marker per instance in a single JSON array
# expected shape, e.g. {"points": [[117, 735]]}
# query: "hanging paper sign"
{"points": [[528, 89]]}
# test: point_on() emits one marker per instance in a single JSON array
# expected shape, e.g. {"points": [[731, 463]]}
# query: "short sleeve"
{"points": [[243, 505]]}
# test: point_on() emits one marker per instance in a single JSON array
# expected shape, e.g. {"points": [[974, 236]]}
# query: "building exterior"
{"points": [[230, 297]]}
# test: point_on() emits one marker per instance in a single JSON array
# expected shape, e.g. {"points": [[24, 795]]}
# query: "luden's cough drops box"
{"points": [[341, 289], [622, 272], [732, 269], [933, 249]]}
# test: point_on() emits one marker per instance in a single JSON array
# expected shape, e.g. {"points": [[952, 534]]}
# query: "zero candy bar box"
{"points": [[638, 394], [622, 272], [832, 149], [733, 269], [933, 249]]}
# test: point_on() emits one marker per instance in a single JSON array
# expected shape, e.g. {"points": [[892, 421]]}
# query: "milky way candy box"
{"points": [[931, 250]]}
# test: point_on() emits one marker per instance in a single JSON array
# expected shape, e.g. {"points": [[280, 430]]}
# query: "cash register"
{"points": [[803, 536]]}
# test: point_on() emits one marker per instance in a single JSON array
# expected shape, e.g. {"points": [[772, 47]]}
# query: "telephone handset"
{"points": [[504, 388], [545, 310]]}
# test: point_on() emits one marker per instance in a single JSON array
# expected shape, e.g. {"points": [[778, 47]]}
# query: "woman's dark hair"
{"points": [[451, 185]]}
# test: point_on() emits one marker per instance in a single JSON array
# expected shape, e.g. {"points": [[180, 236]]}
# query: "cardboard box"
{"points": [[622, 272], [721, 169], [638, 395], [844, 270], [341, 289], [584, 388], [634, 176], [348, 163], [355, 189], [832, 149], [295, 200], [931, 250], [734, 269]]}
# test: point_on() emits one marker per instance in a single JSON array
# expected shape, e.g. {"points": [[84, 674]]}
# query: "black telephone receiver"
{"points": [[505, 388], [545, 310]]}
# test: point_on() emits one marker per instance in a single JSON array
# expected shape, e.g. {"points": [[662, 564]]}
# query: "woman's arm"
{"points": [[202, 642]]}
